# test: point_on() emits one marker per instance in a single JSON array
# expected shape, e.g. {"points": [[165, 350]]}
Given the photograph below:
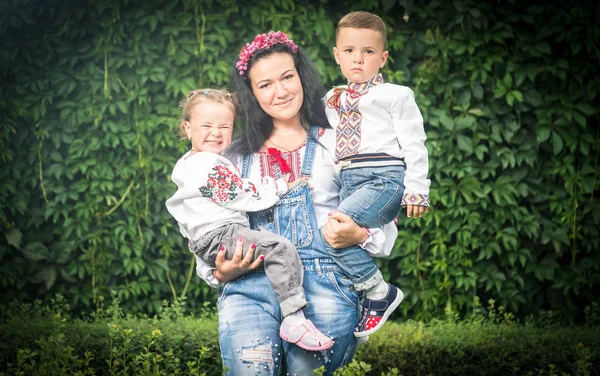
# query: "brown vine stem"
{"points": [[595, 165], [141, 156], [200, 31], [121, 200], [106, 70], [189, 276], [139, 228], [421, 282], [171, 286], [574, 219], [41, 174], [93, 263]]}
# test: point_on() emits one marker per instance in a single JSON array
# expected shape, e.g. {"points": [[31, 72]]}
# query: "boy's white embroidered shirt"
{"points": [[392, 124], [210, 194]]}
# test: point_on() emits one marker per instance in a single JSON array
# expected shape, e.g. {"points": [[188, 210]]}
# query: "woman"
{"points": [[287, 133]]}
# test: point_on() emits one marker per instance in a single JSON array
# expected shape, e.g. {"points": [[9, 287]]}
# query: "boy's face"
{"points": [[211, 126], [360, 53]]}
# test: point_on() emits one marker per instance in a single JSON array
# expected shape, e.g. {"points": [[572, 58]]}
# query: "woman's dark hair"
{"points": [[256, 123]]}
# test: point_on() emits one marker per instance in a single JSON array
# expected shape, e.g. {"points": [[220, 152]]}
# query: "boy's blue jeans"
{"points": [[372, 197]]}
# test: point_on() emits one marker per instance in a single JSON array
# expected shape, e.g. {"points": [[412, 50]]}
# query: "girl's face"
{"points": [[211, 126], [277, 87]]}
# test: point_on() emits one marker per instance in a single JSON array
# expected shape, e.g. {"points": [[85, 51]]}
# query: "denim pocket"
{"points": [[222, 292], [293, 221], [344, 286]]}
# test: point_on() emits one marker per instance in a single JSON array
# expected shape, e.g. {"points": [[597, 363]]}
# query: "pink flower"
{"points": [[260, 42]]}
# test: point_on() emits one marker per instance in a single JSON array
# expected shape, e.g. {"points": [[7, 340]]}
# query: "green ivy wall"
{"points": [[509, 93]]}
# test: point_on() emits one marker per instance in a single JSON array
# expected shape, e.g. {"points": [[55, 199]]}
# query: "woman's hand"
{"points": [[341, 231], [228, 270]]}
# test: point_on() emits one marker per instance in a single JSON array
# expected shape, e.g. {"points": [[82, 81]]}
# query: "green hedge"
{"points": [[47, 343], [509, 93]]}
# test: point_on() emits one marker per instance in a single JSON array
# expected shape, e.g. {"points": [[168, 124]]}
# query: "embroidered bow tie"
{"points": [[354, 91], [276, 157]]}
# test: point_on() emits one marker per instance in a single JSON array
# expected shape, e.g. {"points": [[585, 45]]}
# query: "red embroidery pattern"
{"points": [[292, 159], [223, 186], [348, 131], [275, 157]]}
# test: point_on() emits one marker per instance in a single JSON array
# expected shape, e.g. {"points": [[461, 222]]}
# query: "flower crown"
{"points": [[261, 42]]}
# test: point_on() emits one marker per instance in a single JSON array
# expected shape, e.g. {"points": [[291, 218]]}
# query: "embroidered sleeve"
{"points": [[410, 132], [223, 186], [419, 199], [227, 189]]}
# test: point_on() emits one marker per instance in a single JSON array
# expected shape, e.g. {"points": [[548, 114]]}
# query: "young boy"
{"points": [[380, 154]]}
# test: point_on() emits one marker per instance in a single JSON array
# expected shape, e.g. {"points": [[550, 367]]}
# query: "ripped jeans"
{"points": [[249, 320]]}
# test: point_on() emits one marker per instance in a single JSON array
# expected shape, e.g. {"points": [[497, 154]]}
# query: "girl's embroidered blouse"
{"points": [[210, 194]]}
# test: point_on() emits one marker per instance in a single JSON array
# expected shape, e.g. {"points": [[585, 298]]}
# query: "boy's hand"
{"points": [[416, 211]]}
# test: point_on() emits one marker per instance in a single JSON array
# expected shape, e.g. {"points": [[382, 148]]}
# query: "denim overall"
{"points": [[249, 314]]}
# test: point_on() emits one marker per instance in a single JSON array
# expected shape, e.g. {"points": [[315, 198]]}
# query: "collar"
{"points": [[364, 87]]}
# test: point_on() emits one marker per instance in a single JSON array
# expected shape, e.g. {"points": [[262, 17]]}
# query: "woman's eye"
{"points": [[288, 77], [262, 86]]}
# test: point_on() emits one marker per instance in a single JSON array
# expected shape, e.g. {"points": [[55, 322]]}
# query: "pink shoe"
{"points": [[305, 335]]}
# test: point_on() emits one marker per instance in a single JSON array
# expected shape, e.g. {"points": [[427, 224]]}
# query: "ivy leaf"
{"points": [[477, 92], [48, 275], [464, 143], [586, 109], [13, 237], [557, 143], [464, 122], [543, 132], [162, 263], [447, 122], [508, 81], [388, 4], [36, 251]]}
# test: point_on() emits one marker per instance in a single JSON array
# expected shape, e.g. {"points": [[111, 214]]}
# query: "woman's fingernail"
{"points": [[329, 214], [222, 248], [262, 257], [239, 238], [252, 245]]}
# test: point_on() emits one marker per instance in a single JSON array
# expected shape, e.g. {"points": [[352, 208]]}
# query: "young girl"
{"points": [[211, 202]]}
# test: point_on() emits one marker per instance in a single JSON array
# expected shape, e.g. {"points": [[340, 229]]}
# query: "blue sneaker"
{"points": [[375, 312]]}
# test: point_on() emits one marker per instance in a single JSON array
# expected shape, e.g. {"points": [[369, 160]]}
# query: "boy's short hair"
{"points": [[363, 20]]}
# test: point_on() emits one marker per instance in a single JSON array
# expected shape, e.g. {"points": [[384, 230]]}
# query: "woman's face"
{"points": [[277, 87]]}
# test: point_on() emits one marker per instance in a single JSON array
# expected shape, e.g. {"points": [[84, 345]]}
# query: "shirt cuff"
{"points": [[282, 186], [205, 272], [369, 239], [418, 199]]}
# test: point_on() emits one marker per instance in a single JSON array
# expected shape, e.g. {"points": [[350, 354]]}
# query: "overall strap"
{"points": [[246, 164], [309, 152]]}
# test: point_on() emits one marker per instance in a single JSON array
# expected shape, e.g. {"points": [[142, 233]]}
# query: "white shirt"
{"points": [[210, 194], [392, 124], [325, 183]]}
